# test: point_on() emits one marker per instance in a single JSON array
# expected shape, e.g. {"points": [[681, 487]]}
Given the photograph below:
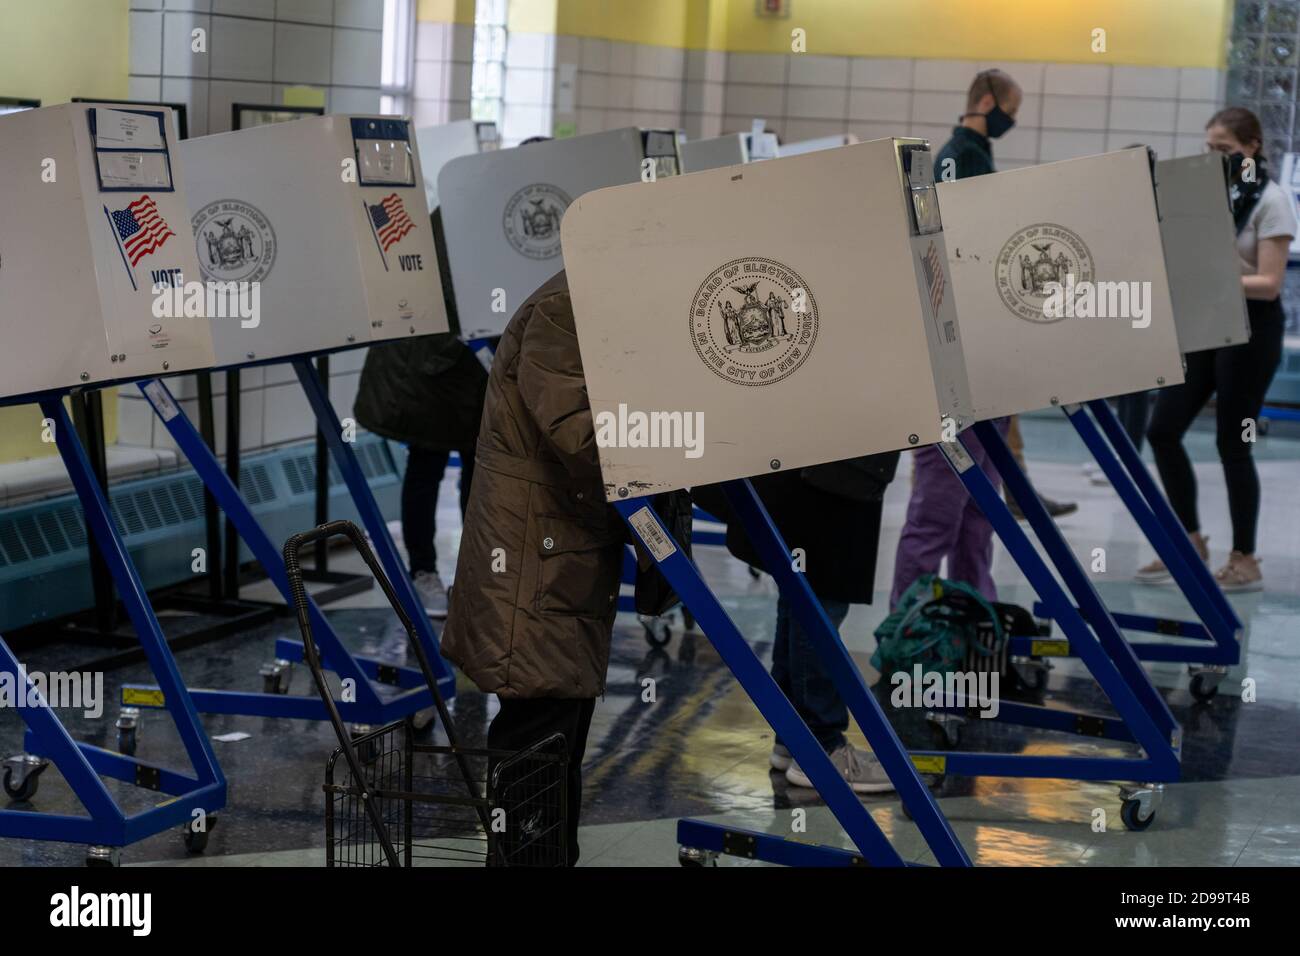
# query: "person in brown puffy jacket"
{"points": [[532, 610]]}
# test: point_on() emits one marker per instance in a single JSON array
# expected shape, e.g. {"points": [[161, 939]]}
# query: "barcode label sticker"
{"points": [[652, 534], [161, 401]]}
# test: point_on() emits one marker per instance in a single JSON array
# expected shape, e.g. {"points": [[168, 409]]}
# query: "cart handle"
{"points": [[293, 566]]}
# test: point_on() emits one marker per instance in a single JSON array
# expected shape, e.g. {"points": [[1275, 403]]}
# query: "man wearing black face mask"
{"points": [[992, 102], [991, 106]]}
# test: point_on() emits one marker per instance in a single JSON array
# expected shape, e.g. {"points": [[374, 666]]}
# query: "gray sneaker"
{"points": [[859, 767], [432, 594]]}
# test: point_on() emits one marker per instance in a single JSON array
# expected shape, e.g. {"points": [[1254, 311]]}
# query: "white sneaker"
{"points": [[781, 758], [432, 594], [859, 767]]}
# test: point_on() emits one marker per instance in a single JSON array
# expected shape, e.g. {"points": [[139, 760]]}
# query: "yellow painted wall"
{"points": [[57, 49], [1138, 32], [53, 50], [445, 11]]}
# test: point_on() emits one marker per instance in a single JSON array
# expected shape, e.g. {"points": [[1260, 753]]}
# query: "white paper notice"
{"points": [[161, 400], [652, 534], [134, 170], [117, 129], [385, 161]]}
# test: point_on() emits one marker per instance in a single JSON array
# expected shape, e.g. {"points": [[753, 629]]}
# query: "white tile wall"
{"points": [[443, 70], [255, 49]]}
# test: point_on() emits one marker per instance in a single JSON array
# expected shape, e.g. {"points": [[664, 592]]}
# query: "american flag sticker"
{"points": [[932, 266], [140, 228], [390, 220]]}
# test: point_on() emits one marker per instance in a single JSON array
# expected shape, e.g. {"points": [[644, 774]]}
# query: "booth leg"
{"points": [[1105, 652], [372, 519], [778, 711], [218, 483], [1196, 580]]}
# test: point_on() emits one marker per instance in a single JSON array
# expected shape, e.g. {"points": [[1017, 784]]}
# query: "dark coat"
{"points": [[832, 512], [427, 391], [537, 580]]}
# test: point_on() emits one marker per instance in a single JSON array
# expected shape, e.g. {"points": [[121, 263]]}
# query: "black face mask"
{"points": [[998, 121], [1236, 162]]}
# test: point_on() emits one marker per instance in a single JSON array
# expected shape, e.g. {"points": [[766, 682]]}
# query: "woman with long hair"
{"points": [[1239, 375]]}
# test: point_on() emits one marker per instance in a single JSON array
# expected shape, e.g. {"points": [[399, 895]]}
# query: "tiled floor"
{"points": [[701, 749]]}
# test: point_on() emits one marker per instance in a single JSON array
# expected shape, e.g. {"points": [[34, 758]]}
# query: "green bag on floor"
{"points": [[935, 625]]}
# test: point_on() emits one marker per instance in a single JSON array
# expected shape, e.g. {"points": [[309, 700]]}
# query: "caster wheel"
{"points": [[691, 856], [276, 677], [1040, 677], [103, 856], [1202, 689], [657, 632], [196, 841], [24, 791], [367, 750], [946, 736], [126, 742], [1130, 812]]}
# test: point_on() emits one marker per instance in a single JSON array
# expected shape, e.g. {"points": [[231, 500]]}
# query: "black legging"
{"points": [[424, 471], [1240, 375]]}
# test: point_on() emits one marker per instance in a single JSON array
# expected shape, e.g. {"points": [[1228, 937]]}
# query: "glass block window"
{"points": [[487, 83], [1262, 69]]}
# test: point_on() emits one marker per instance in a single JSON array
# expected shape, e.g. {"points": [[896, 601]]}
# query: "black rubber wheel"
{"points": [[126, 742], [196, 841], [24, 791], [1129, 812], [1041, 675], [1203, 690], [276, 683], [946, 736], [688, 619]]}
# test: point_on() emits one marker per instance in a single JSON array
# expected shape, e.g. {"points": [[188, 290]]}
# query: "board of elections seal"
{"points": [[1034, 258], [235, 241], [753, 321], [532, 220]]}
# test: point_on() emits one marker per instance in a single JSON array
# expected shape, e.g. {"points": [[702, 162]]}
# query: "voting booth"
{"points": [[439, 145], [1200, 242], [1059, 276], [96, 227], [1063, 290], [792, 341], [95, 218], [730, 150], [327, 214], [501, 213], [813, 145], [702, 296]]}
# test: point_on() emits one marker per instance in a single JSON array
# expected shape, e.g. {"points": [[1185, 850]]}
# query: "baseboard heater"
{"points": [[44, 571]]}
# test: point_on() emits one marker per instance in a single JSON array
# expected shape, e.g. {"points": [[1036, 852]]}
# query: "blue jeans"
{"points": [[802, 677]]}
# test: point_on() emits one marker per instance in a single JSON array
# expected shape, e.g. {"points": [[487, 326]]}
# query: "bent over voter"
{"points": [[532, 610]]}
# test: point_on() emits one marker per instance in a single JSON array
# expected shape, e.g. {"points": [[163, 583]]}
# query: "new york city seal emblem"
{"points": [[532, 220], [1032, 259], [754, 321]]}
